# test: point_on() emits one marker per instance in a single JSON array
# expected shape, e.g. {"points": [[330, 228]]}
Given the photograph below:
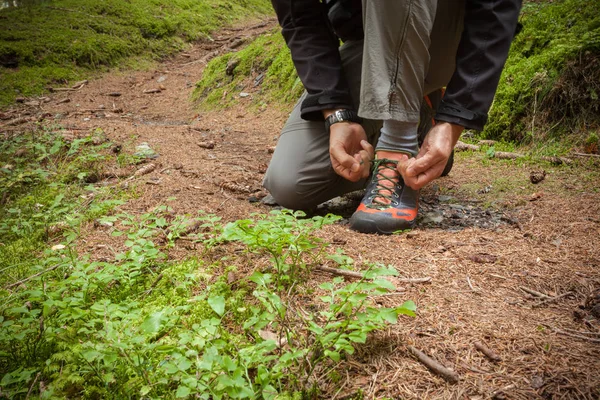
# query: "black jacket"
{"points": [[489, 28]]}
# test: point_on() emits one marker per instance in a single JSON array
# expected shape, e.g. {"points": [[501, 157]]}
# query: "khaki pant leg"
{"points": [[300, 175]]}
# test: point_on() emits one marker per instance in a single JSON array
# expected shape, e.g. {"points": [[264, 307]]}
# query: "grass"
{"points": [[52, 42], [266, 57]]}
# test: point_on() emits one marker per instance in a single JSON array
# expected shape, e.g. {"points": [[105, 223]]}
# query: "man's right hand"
{"points": [[350, 152]]}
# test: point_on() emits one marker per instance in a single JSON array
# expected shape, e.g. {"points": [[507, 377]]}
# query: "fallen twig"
{"points": [[435, 366], [574, 335], [360, 275], [146, 169], [487, 352], [586, 155], [462, 146], [16, 121], [504, 155], [534, 292], [557, 160], [12, 285], [552, 299]]}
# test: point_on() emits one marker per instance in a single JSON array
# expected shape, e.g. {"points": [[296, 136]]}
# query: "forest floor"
{"points": [[494, 244]]}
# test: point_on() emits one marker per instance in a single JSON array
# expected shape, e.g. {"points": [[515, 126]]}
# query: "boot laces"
{"points": [[382, 196]]}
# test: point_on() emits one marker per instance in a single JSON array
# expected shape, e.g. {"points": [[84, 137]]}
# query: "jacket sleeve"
{"points": [[489, 28], [316, 56]]}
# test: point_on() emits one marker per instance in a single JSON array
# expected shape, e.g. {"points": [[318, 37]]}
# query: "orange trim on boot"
{"points": [[407, 214]]}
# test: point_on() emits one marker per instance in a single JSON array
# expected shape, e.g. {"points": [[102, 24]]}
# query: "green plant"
{"points": [[138, 326]]}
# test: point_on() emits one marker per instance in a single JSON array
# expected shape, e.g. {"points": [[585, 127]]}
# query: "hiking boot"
{"points": [[388, 205]]}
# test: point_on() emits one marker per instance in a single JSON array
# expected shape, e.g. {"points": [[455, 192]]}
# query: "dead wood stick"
{"points": [[574, 335], [505, 155], [582, 333], [340, 272], [79, 84], [16, 121], [534, 292], [552, 299], [586, 155], [557, 160], [12, 285], [413, 280], [487, 352], [360, 275], [435, 366], [462, 146]]}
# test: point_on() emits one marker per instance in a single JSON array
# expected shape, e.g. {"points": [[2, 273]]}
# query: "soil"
{"points": [[486, 250]]}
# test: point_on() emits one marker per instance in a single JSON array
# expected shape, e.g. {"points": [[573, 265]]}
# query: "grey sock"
{"points": [[399, 136]]}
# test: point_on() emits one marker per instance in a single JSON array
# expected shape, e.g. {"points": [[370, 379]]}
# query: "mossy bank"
{"points": [[50, 42], [549, 88]]}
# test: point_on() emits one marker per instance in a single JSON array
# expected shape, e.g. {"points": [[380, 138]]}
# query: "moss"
{"points": [[62, 40], [543, 84], [265, 64]]}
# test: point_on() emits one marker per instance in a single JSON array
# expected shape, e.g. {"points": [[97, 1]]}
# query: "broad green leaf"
{"points": [[217, 303], [182, 392], [152, 323]]}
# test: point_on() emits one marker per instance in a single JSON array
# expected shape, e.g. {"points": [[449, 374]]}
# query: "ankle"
{"points": [[391, 155]]}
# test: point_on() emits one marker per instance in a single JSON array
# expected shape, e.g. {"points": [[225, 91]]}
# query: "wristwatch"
{"points": [[342, 116]]}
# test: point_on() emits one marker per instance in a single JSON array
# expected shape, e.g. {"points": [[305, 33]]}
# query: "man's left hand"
{"points": [[433, 155]]}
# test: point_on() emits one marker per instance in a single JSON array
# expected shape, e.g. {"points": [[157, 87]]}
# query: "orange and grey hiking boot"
{"points": [[388, 205]]}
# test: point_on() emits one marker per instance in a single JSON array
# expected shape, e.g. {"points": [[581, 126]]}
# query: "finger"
{"points": [[345, 172], [365, 163], [344, 159], [368, 148], [418, 181], [403, 166], [422, 164]]}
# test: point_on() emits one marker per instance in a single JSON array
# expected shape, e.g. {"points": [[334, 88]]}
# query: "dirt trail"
{"points": [[482, 260]]}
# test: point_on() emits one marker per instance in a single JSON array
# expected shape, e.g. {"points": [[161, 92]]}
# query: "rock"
{"points": [[161, 78], [244, 94], [444, 199], [231, 65], [207, 145], [143, 150], [432, 218], [269, 200]]}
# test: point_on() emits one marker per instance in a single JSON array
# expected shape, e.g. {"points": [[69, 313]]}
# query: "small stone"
{"points": [[231, 65], [143, 150], [58, 247], [207, 145], [244, 94], [161, 78], [269, 200]]}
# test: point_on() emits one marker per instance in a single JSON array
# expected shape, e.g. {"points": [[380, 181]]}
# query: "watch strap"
{"points": [[341, 116]]}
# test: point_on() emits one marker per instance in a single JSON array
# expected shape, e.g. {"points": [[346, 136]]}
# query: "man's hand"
{"points": [[349, 150], [433, 156]]}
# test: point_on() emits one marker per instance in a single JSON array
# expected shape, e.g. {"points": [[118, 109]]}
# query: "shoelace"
{"points": [[381, 191]]}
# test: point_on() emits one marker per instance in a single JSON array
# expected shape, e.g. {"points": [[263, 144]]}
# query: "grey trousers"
{"points": [[409, 50]]}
